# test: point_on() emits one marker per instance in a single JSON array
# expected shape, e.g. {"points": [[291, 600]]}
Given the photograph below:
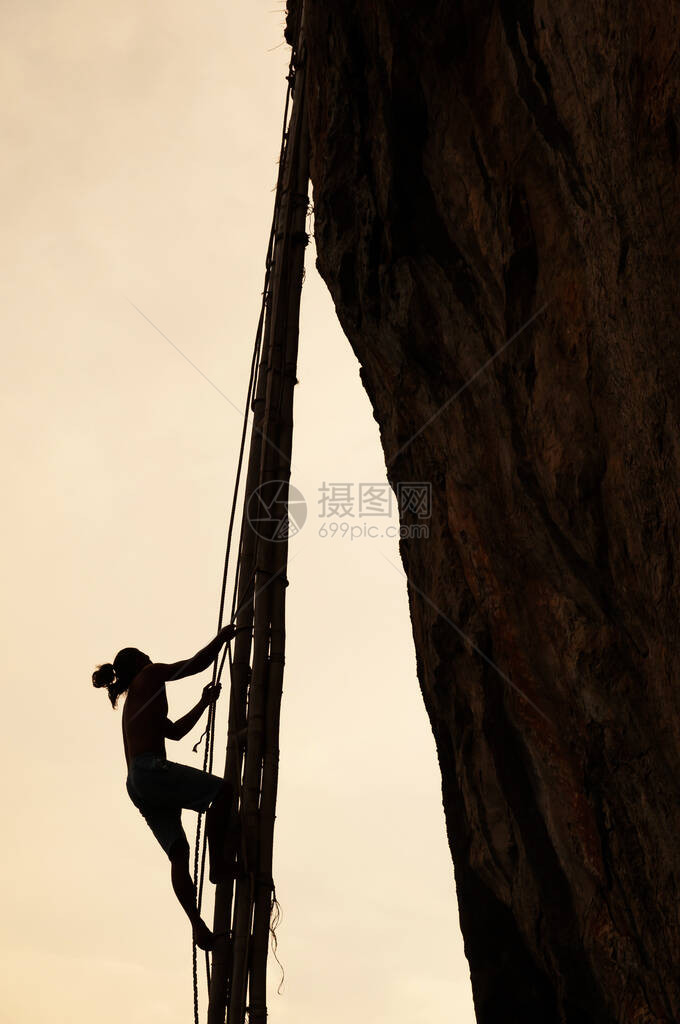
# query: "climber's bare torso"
{"points": [[145, 714]]}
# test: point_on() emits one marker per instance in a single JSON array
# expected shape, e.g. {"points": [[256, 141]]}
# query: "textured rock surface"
{"points": [[475, 165]]}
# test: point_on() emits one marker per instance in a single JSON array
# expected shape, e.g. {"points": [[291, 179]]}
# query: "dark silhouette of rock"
{"points": [[497, 219]]}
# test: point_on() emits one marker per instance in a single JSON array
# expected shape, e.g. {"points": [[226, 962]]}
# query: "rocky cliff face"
{"points": [[497, 219]]}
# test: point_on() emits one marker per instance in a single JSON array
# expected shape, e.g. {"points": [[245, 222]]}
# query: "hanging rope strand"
{"points": [[200, 844]]}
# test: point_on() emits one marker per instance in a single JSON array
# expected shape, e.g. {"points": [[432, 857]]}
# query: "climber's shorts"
{"points": [[161, 788]]}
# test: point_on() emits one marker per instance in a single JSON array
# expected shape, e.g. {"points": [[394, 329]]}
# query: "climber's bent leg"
{"points": [[183, 885]]}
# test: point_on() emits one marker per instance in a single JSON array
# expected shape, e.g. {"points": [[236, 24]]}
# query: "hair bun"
{"points": [[104, 675]]}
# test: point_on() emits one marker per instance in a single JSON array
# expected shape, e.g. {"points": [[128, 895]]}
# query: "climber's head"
{"points": [[118, 676]]}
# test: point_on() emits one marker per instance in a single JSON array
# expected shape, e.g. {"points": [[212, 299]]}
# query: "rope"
{"points": [[274, 921], [209, 733], [200, 846]]}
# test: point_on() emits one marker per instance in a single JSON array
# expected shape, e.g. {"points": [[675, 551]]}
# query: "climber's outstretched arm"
{"points": [[199, 662]]}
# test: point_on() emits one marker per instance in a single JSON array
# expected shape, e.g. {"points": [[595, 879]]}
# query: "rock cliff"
{"points": [[497, 219]]}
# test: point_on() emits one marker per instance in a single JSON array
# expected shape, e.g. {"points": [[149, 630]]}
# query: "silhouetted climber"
{"points": [[161, 788]]}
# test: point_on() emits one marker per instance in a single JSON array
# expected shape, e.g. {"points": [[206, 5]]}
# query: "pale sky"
{"points": [[139, 162]]}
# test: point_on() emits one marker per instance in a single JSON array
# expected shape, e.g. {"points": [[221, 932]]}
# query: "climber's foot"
{"points": [[203, 937]]}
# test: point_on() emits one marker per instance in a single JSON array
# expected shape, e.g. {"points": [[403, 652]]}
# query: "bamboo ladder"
{"points": [[244, 907]]}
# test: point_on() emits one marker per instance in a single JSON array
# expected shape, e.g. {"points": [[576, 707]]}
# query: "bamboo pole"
{"points": [[221, 960], [257, 693], [261, 595], [269, 784], [243, 906], [240, 665], [237, 713], [244, 883], [275, 466], [233, 968]]}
